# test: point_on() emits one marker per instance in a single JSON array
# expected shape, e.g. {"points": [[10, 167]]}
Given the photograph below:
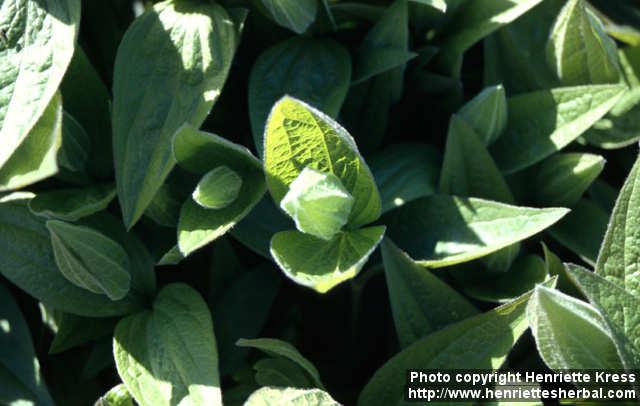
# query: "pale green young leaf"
{"points": [[35, 158], [569, 333], [579, 51], [296, 15], [445, 230], [199, 152], [279, 348], [468, 169], [72, 204], [562, 179], [116, 396], [405, 172], [269, 396], [524, 274], [34, 62], [27, 260], [543, 122], [486, 113], [619, 308], [386, 45], [317, 71], [421, 303], [20, 378], [318, 203], [90, 260], [320, 264], [218, 188], [150, 104], [297, 136], [167, 355], [619, 257], [479, 342], [592, 221]]}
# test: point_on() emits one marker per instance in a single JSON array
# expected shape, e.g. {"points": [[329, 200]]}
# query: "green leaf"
{"points": [[218, 188], [525, 273], [199, 152], [421, 303], [515, 55], [445, 230], [479, 342], [35, 60], [318, 203], [619, 257], [486, 113], [35, 158], [242, 310], [317, 71], [27, 260], [440, 5], [543, 122], [72, 331], [280, 372], [90, 260], [117, 396], [562, 179], [279, 348], [320, 264], [296, 15], [89, 104], [592, 222], [468, 169], [378, 76], [167, 355], [405, 172], [20, 379], [257, 228], [72, 204], [555, 267], [619, 309], [268, 396], [569, 333], [297, 136], [386, 45], [474, 20], [619, 128], [579, 51], [74, 151], [150, 104]]}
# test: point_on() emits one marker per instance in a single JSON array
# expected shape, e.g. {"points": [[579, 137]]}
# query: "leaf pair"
{"points": [[316, 174], [165, 75]]}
